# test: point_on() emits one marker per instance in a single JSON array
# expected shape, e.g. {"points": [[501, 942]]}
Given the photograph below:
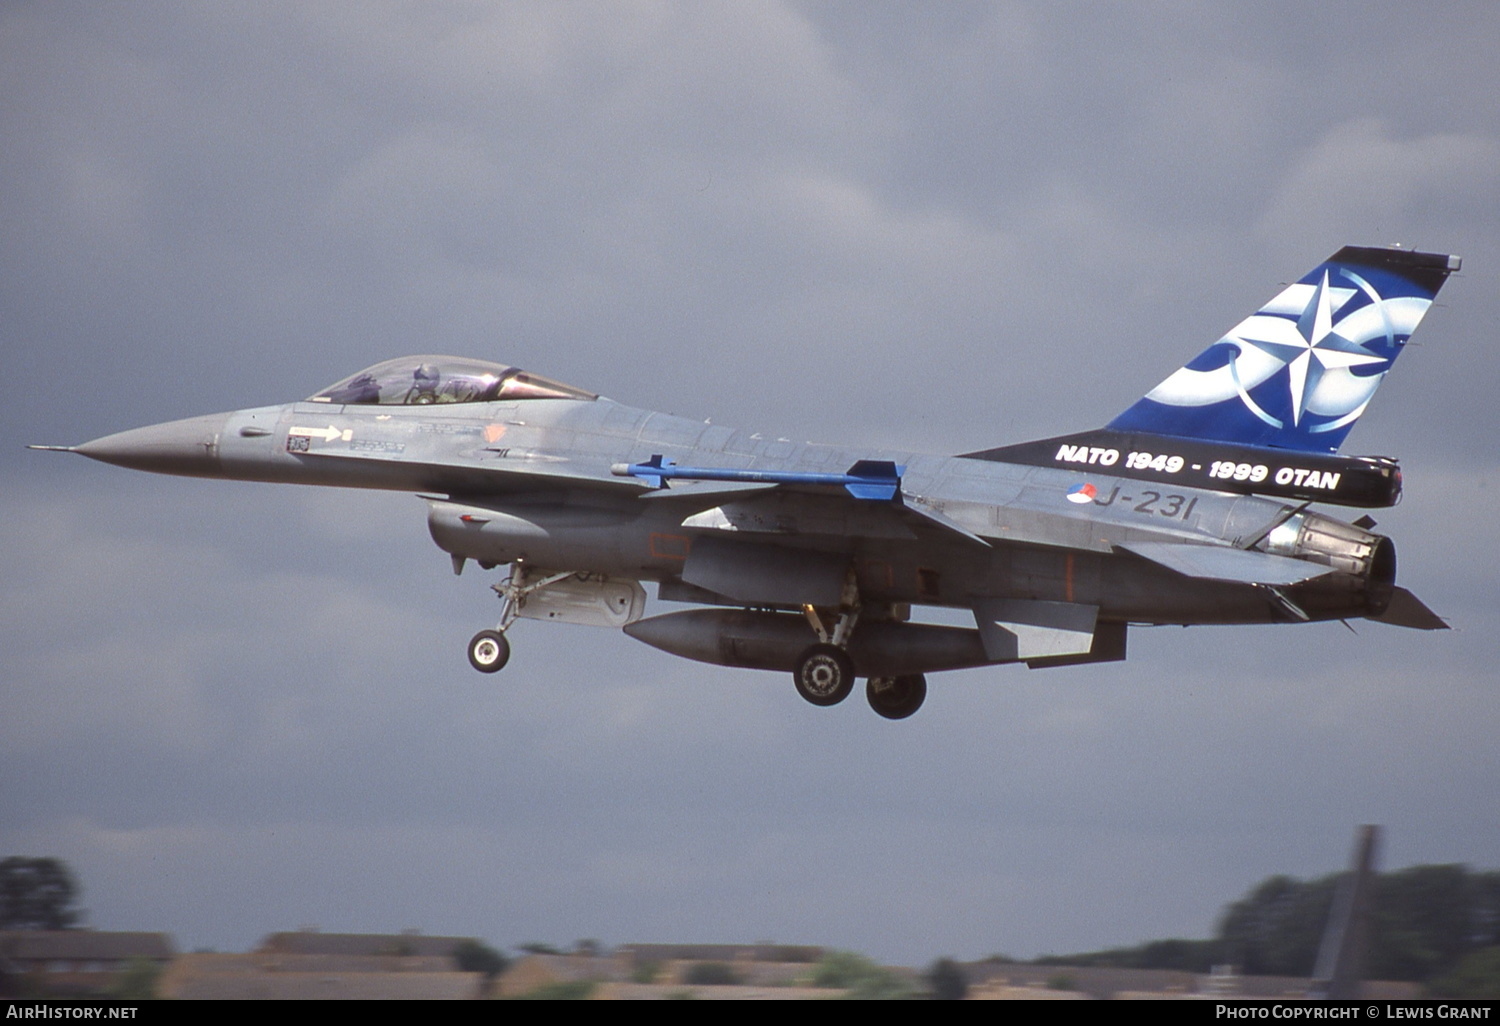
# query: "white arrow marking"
{"points": [[328, 434]]}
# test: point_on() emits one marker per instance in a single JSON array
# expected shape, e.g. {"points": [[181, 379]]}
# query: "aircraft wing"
{"points": [[696, 491], [919, 514], [751, 502], [489, 473], [1217, 563], [864, 501], [790, 510]]}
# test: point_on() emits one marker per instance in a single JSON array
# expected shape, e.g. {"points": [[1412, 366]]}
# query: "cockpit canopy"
{"points": [[421, 380]]}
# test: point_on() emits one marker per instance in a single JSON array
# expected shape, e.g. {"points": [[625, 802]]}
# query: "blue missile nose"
{"points": [[188, 447]]}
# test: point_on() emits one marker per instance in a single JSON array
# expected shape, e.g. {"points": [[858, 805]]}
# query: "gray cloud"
{"points": [[240, 708]]}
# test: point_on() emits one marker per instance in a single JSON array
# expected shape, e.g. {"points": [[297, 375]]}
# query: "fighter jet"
{"points": [[1191, 507]]}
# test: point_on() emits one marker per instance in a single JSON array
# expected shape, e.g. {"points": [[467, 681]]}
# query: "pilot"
{"points": [[424, 385]]}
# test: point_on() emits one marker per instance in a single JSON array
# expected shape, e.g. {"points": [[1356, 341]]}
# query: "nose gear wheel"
{"points": [[489, 651]]}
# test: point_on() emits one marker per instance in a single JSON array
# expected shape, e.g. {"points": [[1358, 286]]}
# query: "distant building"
{"points": [[76, 963], [994, 979], [308, 965], [315, 942], [1014, 979], [279, 976], [752, 965], [533, 972], [668, 992], [646, 971], [641, 954]]}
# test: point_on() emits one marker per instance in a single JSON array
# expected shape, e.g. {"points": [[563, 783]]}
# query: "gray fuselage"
{"points": [[538, 471]]}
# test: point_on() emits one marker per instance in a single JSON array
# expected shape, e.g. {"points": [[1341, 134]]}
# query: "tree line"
{"points": [[1435, 925], [37, 894], [1429, 923]]}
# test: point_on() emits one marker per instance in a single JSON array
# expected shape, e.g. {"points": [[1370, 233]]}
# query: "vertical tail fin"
{"points": [[1299, 372], [1346, 936]]}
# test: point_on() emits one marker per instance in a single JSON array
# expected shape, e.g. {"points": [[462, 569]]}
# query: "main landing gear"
{"points": [[825, 676], [824, 673], [896, 698]]}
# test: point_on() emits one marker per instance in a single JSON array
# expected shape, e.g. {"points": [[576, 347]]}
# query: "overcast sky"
{"points": [[241, 708]]}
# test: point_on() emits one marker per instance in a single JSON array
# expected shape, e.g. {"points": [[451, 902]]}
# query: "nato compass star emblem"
{"points": [[1320, 335], [1298, 372], [1314, 349]]}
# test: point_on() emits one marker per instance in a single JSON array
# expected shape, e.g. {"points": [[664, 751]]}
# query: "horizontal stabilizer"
{"points": [[1215, 563], [1406, 610]]}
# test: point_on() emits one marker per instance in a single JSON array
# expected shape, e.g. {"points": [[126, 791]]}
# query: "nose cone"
{"points": [[188, 447]]}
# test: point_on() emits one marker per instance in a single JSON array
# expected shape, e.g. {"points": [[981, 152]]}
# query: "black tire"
{"points": [[489, 652], [896, 698], [824, 675]]}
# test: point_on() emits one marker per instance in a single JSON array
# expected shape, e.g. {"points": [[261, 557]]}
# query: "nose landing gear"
{"points": [[489, 651], [569, 596]]}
